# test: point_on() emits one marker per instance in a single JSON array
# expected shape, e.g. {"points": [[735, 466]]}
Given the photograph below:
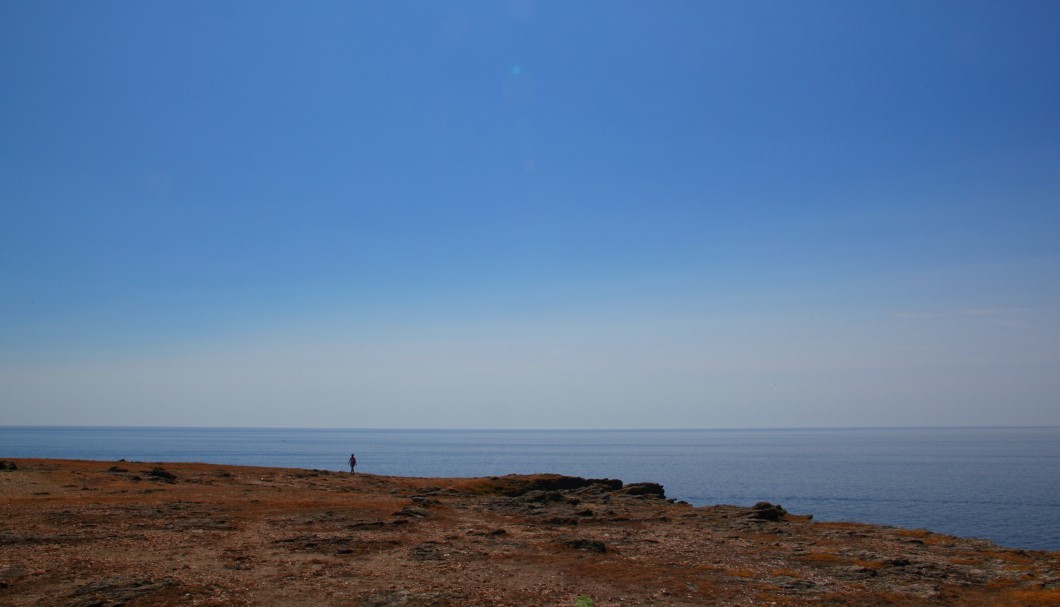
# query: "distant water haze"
{"points": [[719, 369]]}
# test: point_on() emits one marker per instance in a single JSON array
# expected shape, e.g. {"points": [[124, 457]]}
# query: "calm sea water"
{"points": [[1002, 484]]}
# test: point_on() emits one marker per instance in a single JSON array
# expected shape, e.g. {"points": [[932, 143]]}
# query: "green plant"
{"points": [[583, 600]]}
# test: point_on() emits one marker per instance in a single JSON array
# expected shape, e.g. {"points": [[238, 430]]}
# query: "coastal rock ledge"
{"points": [[104, 534]]}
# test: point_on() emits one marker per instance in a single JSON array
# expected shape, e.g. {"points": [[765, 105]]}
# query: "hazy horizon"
{"points": [[557, 429], [530, 214]]}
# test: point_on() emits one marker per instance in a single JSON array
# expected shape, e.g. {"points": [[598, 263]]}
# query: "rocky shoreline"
{"points": [[109, 534]]}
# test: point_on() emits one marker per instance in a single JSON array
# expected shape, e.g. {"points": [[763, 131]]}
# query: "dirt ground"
{"points": [[104, 534]]}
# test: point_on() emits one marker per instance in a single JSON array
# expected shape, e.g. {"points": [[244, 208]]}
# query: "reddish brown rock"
{"points": [[82, 533]]}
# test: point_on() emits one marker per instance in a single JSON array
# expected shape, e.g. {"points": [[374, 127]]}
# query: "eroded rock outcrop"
{"points": [[79, 534]]}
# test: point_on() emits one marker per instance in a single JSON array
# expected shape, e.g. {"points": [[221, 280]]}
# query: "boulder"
{"points": [[764, 511], [158, 473], [648, 489]]}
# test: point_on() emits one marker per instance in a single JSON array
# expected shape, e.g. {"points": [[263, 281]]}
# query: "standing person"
{"points": [[352, 462]]}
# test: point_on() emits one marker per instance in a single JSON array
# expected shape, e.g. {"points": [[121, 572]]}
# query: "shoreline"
{"points": [[989, 484], [81, 532]]}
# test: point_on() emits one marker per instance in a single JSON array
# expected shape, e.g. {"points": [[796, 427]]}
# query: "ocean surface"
{"points": [[1002, 484]]}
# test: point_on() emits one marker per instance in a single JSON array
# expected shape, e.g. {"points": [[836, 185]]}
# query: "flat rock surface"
{"points": [[109, 534]]}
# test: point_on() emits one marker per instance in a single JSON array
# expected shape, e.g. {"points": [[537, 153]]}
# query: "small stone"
{"points": [[587, 545]]}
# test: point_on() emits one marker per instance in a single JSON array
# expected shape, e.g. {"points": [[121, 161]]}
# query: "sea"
{"points": [[1001, 484]]}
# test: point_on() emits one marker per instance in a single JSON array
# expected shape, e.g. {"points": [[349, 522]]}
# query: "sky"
{"points": [[530, 214]]}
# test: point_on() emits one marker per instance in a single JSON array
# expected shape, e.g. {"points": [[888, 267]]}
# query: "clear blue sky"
{"points": [[530, 214]]}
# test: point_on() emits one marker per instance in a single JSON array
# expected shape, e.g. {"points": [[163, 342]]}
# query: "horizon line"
{"points": [[458, 429]]}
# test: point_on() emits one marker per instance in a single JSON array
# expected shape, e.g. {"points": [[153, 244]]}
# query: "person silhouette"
{"points": [[352, 462]]}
